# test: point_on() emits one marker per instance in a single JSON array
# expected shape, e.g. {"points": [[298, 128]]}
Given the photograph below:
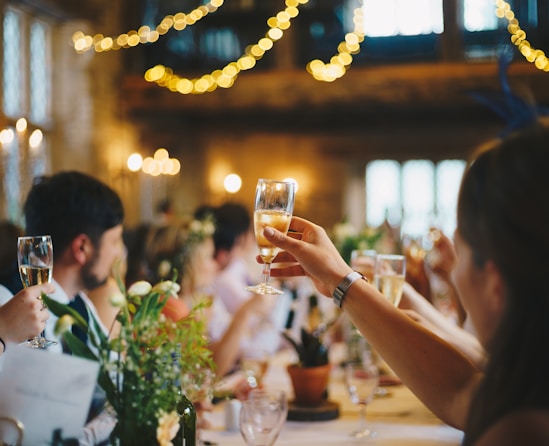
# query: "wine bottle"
{"points": [[186, 436]]}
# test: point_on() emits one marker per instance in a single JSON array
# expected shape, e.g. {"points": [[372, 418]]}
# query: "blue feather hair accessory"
{"points": [[517, 111]]}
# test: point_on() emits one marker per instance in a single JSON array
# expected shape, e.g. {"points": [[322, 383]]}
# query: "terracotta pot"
{"points": [[310, 384]]}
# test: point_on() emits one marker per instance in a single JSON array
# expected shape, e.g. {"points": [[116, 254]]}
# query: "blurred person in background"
{"points": [[9, 272], [187, 247]]}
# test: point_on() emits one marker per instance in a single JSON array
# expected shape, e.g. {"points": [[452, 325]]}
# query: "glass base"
{"points": [[263, 288], [364, 433], [39, 342]]}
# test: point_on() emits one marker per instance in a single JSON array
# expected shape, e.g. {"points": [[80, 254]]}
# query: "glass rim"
{"points": [[28, 237], [391, 256], [268, 180]]}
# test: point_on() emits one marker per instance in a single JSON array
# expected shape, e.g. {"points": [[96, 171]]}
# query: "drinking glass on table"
{"points": [[274, 205], [362, 380], [363, 261], [262, 416], [389, 275], [35, 261], [254, 363]]}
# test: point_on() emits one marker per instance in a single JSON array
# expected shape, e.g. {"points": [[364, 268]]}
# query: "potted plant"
{"points": [[310, 375]]}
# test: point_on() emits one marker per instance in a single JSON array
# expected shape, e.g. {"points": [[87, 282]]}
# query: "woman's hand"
{"points": [[313, 255]]}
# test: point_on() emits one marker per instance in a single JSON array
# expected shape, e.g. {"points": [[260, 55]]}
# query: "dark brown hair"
{"points": [[503, 215]]}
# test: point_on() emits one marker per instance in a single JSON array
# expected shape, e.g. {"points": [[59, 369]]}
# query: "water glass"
{"points": [[262, 416]]}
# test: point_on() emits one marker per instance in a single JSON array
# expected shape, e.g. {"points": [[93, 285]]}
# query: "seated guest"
{"points": [[84, 218], [188, 248]]}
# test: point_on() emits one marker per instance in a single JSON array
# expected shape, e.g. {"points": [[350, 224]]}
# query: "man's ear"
{"points": [[82, 248]]}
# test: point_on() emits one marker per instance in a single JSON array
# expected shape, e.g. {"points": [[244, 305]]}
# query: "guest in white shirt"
{"points": [[84, 218]]}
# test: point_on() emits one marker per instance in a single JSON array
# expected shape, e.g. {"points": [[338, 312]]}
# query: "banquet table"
{"points": [[396, 415]]}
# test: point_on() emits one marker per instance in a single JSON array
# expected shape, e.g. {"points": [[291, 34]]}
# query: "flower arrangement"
{"points": [[157, 345]]}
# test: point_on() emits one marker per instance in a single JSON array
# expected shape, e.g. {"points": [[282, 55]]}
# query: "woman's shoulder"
{"points": [[529, 427]]}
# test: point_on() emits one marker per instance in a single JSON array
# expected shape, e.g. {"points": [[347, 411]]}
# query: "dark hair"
{"points": [[135, 240], [70, 203], [503, 215], [231, 221], [9, 272]]}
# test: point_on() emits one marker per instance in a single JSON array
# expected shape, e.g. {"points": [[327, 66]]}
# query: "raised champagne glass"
{"points": [[389, 276], [274, 204], [35, 261]]}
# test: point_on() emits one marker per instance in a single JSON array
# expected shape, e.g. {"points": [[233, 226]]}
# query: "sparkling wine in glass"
{"points": [[274, 204], [389, 276], [362, 380], [35, 261]]}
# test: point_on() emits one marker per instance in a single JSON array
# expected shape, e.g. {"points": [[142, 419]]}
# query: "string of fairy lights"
{"points": [[226, 76], [518, 37]]}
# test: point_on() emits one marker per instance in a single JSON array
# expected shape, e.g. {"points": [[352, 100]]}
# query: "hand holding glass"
{"points": [[35, 261], [274, 204], [389, 275], [362, 380]]}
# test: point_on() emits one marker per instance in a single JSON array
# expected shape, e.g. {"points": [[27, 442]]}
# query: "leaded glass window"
{"points": [[13, 79], [39, 73]]}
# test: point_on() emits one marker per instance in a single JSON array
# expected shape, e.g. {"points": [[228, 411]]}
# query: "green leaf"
{"points": [[60, 309], [77, 347]]}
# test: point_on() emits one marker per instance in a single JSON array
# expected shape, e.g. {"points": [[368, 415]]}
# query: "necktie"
{"points": [[79, 305]]}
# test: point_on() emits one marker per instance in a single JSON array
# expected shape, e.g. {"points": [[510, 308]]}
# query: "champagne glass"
{"points": [[362, 380], [262, 416], [389, 275], [274, 204], [254, 363], [35, 261]]}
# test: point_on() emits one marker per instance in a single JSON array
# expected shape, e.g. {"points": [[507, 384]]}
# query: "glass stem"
{"points": [[362, 418], [266, 275]]}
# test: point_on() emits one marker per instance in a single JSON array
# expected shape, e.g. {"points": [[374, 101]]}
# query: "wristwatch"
{"points": [[343, 287]]}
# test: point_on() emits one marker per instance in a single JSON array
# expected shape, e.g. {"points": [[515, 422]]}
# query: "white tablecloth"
{"points": [[398, 418]]}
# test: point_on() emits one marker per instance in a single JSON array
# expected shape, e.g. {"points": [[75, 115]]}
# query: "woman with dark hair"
{"points": [[502, 242]]}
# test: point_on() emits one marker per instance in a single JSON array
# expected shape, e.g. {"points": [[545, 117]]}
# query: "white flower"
{"points": [[164, 268], [140, 288], [208, 227], [196, 226], [167, 288], [168, 425], [63, 324], [117, 300]]}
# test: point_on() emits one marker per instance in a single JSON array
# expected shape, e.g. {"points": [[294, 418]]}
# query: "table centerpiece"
{"points": [[141, 369]]}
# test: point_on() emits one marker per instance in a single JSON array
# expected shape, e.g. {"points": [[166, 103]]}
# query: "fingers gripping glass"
{"points": [[274, 204], [35, 261]]}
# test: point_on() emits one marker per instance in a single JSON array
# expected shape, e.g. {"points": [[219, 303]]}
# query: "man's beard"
{"points": [[89, 278]]}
